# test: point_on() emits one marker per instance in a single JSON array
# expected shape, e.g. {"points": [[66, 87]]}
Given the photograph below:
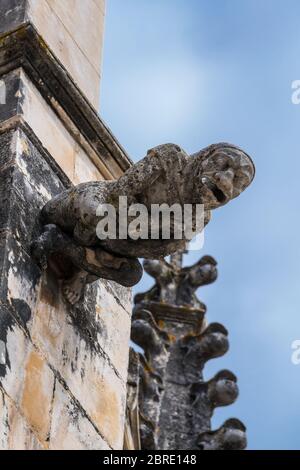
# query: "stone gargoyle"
{"points": [[167, 174]]}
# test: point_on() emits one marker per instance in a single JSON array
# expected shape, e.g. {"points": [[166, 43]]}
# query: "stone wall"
{"points": [[63, 368], [72, 29]]}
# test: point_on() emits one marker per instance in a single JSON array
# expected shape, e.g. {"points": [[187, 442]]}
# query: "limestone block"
{"points": [[76, 39], [85, 363], [123, 296], [70, 428], [56, 327], [107, 399], [24, 99], [55, 137], [43, 337], [85, 27], [28, 382], [113, 319], [37, 394], [84, 169], [14, 430]]}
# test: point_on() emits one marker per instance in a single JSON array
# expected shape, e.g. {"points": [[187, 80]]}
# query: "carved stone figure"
{"points": [[175, 403], [167, 175]]}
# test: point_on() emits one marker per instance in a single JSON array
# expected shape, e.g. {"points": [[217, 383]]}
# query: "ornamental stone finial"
{"points": [[175, 402]]}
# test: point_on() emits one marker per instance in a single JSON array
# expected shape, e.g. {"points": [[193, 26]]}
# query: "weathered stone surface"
{"points": [[59, 331], [167, 395], [12, 14], [15, 432], [37, 393], [76, 39], [70, 428], [25, 49], [24, 100], [62, 369], [81, 345], [84, 169], [28, 382]]}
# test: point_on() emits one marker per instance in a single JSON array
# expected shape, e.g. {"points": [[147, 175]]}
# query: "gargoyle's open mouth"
{"points": [[217, 192]]}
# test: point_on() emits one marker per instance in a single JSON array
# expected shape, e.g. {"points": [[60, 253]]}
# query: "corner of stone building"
{"points": [[63, 369]]}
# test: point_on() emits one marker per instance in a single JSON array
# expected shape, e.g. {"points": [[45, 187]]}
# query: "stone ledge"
{"points": [[17, 123], [24, 48]]}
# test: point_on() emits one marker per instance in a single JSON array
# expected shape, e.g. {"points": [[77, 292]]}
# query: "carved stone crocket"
{"points": [[211, 177]]}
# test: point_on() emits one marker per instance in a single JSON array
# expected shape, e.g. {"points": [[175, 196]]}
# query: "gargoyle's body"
{"points": [[160, 178], [167, 175]]}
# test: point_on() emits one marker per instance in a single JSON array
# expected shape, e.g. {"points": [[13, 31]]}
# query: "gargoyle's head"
{"points": [[223, 172]]}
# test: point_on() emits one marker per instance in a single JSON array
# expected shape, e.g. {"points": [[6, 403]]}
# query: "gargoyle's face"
{"points": [[226, 171]]}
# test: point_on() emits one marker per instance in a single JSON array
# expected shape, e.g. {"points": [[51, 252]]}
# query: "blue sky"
{"points": [[195, 72]]}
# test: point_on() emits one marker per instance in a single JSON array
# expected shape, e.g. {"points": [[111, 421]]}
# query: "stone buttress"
{"points": [[63, 368]]}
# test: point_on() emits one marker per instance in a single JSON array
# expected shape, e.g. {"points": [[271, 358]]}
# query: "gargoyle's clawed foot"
{"points": [[73, 288]]}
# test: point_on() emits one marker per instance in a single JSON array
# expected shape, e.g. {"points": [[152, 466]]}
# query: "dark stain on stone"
{"points": [[85, 321], [23, 309], [12, 14], [49, 289], [7, 323]]}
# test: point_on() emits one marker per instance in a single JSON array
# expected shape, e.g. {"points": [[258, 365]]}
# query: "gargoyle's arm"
{"points": [[140, 176]]}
